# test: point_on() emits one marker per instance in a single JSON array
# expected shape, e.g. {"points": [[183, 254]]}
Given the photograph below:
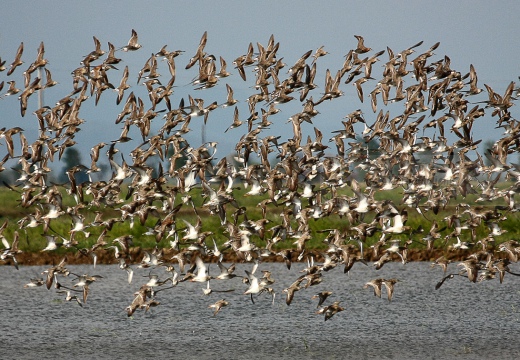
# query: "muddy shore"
{"points": [[136, 255]]}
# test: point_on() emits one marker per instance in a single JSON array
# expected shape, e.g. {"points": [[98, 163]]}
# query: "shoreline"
{"points": [[136, 255]]}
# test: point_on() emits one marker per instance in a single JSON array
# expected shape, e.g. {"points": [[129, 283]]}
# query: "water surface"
{"points": [[460, 320]]}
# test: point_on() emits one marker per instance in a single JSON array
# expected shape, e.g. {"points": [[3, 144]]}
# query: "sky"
{"points": [[481, 33]]}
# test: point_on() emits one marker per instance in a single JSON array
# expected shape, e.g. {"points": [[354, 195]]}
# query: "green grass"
{"points": [[32, 239]]}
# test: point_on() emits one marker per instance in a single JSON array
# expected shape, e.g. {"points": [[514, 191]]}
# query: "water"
{"points": [[460, 320]]}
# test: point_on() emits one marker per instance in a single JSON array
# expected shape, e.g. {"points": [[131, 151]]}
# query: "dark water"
{"points": [[461, 320]]}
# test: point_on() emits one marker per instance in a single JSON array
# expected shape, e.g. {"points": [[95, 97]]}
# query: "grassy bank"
{"points": [[32, 240]]}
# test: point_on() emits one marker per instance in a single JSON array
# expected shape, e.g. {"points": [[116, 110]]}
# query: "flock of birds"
{"points": [[298, 180]]}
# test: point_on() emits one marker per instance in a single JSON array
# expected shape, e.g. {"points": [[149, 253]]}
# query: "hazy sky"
{"points": [[481, 33]]}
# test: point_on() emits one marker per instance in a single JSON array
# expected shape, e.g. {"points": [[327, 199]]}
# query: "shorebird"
{"points": [[124, 266], [202, 272], [133, 43], [230, 100], [17, 60], [502, 266], [376, 284], [389, 285], [395, 248], [34, 283], [442, 262], [471, 267], [70, 297], [254, 286], [225, 272], [330, 310], [322, 296], [218, 305], [361, 48], [122, 86], [51, 243], [300, 181], [318, 53], [382, 260], [10, 250], [12, 90], [295, 286], [111, 59], [511, 248]]}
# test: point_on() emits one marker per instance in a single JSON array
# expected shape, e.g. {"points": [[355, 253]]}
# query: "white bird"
{"points": [[202, 271], [70, 297], [124, 266], [254, 286], [51, 243]]}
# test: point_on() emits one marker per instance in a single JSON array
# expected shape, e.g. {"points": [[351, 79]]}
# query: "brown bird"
{"points": [[122, 86], [24, 96], [471, 266], [49, 81], [40, 60], [111, 59], [361, 48], [236, 121], [230, 100], [330, 310], [376, 284], [359, 89], [319, 53], [12, 90], [474, 89], [389, 285], [199, 54], [295, 286], [17, 60], [323, 295], [133, 43], [219, 305]]}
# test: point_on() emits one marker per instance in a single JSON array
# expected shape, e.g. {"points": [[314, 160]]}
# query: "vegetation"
{"points": [[33, 239]]}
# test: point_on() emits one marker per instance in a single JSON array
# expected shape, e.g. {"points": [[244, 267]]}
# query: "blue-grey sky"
{"points": [[481, 33]]}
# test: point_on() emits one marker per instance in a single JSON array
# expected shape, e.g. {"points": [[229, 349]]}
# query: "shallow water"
{"points": [[460, 320]]}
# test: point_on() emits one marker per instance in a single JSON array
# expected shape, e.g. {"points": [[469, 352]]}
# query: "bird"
{"points": [[51, 243], [17, 60], [389, 285], [225, 272], [295, 286], [376, 284], [322, 296], [218, 306], [442, 262], [295, 185], [133, 43], [35, 282], [330, 310], [202, 272], [254, 286], [236, 121], [319, 53], [473, 79], [471, 267], [122, 86], [230, 100], [449, 276], [124, 266], [12, 90], [70, 297], [361, 48], [49, 82]]}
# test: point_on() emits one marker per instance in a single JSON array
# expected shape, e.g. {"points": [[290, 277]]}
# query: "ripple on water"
{"points": [[460, 320]]}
